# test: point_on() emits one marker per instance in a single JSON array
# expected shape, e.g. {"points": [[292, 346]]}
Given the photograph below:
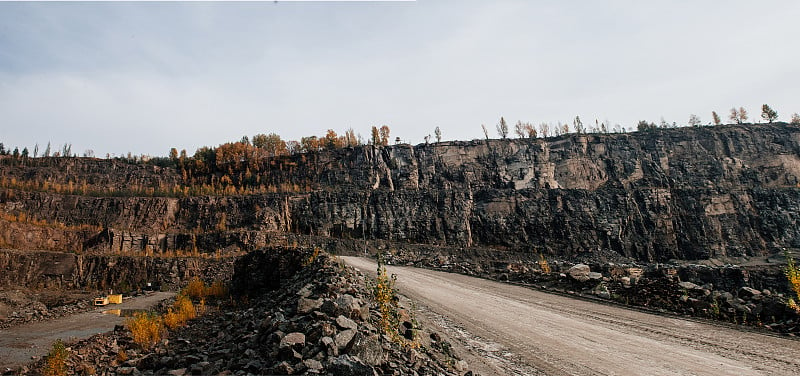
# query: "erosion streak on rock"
{"points": [[566, 336]]}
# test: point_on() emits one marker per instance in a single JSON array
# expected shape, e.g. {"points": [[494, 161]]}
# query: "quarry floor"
{"points": [[19, 344], [515, 330]]}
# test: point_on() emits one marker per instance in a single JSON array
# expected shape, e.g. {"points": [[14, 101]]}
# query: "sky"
{"points": [[143, 77]]}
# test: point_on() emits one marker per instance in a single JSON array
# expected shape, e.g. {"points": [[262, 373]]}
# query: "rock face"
{"points": [[43, 269], [689, 193]]}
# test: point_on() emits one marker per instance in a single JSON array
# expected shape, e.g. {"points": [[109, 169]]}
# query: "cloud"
{"points": [[145, 77]]}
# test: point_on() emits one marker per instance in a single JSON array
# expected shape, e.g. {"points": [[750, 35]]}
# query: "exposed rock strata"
{"points": [[689, 193]]}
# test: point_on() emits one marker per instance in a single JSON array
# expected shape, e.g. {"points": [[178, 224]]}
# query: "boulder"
{"points": [[368, 349], [344, 338], [293, 340], [748, 292], [344, 365], [689, 286], [307, 305], [345, 323], [579, 272]]}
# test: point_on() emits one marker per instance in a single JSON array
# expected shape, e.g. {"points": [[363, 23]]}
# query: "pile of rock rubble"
{"points": [[291, 312]]}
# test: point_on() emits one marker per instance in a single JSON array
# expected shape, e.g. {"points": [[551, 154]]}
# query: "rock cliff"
{"points": [[688, 193]]}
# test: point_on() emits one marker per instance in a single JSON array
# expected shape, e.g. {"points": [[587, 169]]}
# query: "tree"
{"points": [[384, 131], [502, 128], [578, 124], [350, 138], [309, 144], [519, 129], [734, 116], [66, 150], [768, 114], [544, 129], [173, 154], [795, 119], [260, 141], [88, 153], [485, 132], [531, 130], [275, 146], [293, 147], [694, 120], [47, 150], [36, 150], [24, 152], [524, 130], [376, 136], [332, 140], [717, 120], [643, 125], [438, 133], [742, 114]]}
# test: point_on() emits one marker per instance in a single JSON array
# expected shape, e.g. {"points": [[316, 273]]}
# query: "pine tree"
{"points": [[717, 120], [768, 114]]}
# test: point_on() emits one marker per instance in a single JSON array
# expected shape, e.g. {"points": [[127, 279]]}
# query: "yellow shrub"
{"points": [[185, 308], [172, 319], [793, 275], [56, 360], [217, 290], [145, 328], [543, 264], [195, 289]]}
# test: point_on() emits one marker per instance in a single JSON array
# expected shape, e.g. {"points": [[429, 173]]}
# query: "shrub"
{"points": [[793, 275], [385, 295], [196, 289], [543, 264], [145, 328], [56, 360], [181, 311], [217, 290]]}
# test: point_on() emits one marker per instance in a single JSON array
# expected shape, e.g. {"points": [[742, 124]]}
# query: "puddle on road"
{"points": [[123, 312]]}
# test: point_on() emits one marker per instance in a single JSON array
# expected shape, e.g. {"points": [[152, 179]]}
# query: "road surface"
{"points": [[555, 335], [19, 344]]}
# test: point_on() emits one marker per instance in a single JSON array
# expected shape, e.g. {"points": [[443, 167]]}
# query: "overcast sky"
{"points": [[144, 77]]}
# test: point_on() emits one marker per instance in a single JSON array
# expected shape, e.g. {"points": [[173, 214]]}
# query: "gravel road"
{"points": [[18, 344], [532, 332]]}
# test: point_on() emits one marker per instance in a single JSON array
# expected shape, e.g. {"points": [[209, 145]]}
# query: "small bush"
{"points": [[145, 328], [385, 295], [182, 311], [196, 289], [217, 290], [543, 264], [793, 275], [56, 360]]}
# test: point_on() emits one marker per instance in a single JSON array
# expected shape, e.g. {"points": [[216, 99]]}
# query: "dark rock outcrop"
{"points": [[689, 193], [43, 269]]}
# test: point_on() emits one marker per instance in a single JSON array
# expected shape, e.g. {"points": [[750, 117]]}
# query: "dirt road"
{"points": [[18, 344], [540, 333]]}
